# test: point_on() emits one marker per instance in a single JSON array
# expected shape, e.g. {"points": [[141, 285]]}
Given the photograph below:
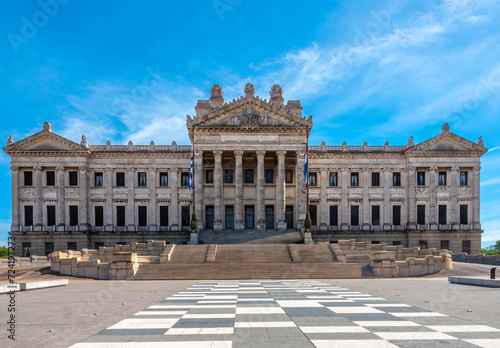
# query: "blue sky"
{"points": [[371, 71]]}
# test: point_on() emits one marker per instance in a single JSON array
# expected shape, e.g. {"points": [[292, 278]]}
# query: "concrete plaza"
{"points": [[414, 312]]}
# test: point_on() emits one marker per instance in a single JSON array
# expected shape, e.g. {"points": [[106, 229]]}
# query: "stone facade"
{"points": [[249, 157]]}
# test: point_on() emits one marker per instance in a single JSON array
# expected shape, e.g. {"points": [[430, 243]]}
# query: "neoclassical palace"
{"points": [[249, 156]]}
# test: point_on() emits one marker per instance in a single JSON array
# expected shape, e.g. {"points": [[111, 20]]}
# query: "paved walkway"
{"points": [[287, 313]]}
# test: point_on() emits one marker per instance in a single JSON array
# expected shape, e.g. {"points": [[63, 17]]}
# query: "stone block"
{"points": [[65, 269], [383, 255], [122, 256], [91, 272]]}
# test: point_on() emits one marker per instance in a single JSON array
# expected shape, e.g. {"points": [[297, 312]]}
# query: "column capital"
{"points": [[411, 168], [455, 168], [60, 168], [14, 168], [82, 168], [477, 168], [260, 154], [433, 169], [37, 168], [281, 154], [238, 154], [217, 154]]}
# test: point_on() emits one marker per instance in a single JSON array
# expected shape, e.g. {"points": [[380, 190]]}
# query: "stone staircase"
{"points": [[249, 261]]}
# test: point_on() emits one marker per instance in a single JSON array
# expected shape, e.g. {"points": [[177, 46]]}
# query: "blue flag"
{"points": [[191, 171]]}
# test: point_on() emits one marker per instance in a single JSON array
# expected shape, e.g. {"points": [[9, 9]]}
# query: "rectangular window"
{"points": [[422, 244], [164, 215], [28, 215], [376, 215], [249, 217], [334, 179], [376, 179], [269, 176], [421, 178], [228, 176], [99, 215], [185, 179], [97, 245], [396, 242], [464, 178], [334, 215], [209, 176], [313, 179], [73, 178], [49, 248], [289, 176], [354, 215], [396, 179], [466, 246], [72, 246], [98, 179], [51, 178], [141, 179], [248, 176], [421, 214], [442, 214], [26, 249], [442, 178], [354, 179], [464, 219], [143, 215], [445, 244], [209, 214], [120, 179], [51, 215], [73, 215], [269, 209], [28, 178], [120, 215], [396, 215], [229, 223], [164, 179]]}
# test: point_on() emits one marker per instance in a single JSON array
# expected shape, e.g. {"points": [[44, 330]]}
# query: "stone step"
{"points": [[189, 254], [250, 237], [253, 253], [318, 253]]}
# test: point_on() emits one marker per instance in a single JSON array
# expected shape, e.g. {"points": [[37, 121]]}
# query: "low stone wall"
{"points": [[393, 261], [26, 261], [477, 258]]}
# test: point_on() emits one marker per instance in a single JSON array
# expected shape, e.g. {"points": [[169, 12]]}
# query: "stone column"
{"points": [[387, 209], [218, 180], [108, 209], [39, 197], [366, 182], [152, 183], [130, 208], [15, 198], [301, 193], [412, 207], [61, 197], [239, 224], [432, 184], [84, 199], [174, 201], [454, 182], [475, 197], [346, 221], [260, 208], [198, 187], [323, 205], [281, 192]]}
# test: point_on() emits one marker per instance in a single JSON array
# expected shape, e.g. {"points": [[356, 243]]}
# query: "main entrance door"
{"points": [[289, 216], [269, 217], [185, 219], [249, 217], [209, 213]]}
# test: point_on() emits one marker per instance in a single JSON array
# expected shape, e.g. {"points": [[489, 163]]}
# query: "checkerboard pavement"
{"points": [[287, 313]]}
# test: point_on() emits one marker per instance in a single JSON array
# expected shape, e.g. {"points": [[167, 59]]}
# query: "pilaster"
{"points": [[15, 198], [411, 179], [108, 209], [61, 196], [174, 204], [345, 196], [218, 180], [198, 187], [239, 223], [84, 199], [280, 190], [387, 209], [433, 221], [260, 208], [323, 206], [152, 183], [39, 197], [454, 206], [366, 199], [475, 196], [301, 194], [130, 208]]}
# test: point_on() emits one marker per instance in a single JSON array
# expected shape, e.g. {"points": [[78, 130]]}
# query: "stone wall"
{"points": [[26, 261], [477, 258]]}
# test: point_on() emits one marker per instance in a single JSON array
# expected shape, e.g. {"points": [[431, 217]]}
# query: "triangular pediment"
{"points": [[45, 141], [447, 142], [249, 112]]}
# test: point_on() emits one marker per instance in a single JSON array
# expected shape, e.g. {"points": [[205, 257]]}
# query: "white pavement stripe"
{"points": [[200, 331], [209, 316], [418, 314], [185, 344], [350, 310], [484, 342], [259, 310], [332, 329], [299, 303], [136, 323], [387, 305], [386, 323], [414, 336], [161, 313], [463, 328], [352, 344], [266, 324]]}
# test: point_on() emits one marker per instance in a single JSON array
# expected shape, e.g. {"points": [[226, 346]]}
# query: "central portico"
{"points": [[248, 161]]}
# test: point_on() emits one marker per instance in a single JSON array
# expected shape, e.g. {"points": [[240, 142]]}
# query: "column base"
{"points": [[238, 227], [174, 228], [261, 227], [323, 227], [282, 226]]}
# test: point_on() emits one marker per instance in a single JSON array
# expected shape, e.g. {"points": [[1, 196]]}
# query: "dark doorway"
{"points": [[354, 215], [164, 215], [289, 216], [442, 214], [313, 212], [334, 215], [209, 212], [269, 217], [229, 217], [185, 219]]}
